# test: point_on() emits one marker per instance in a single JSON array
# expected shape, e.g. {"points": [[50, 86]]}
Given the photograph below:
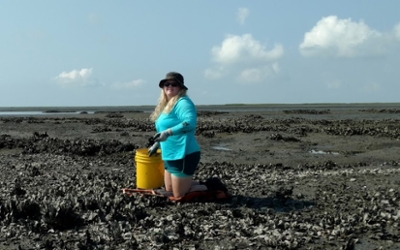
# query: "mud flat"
{"points": [[300, 178]]}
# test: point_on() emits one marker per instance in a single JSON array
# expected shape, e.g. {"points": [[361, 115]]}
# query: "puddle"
{"points": [[221, 148], [321, 152]]}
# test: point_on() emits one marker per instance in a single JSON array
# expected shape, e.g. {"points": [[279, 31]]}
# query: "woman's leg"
{"points": [[180, 185], [181, 176], [184, 185], [167, 181]]}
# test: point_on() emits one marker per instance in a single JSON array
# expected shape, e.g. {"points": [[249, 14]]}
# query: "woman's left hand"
{"points": [[163, 135]]}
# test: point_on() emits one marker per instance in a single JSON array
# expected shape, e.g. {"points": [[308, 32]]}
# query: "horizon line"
{"points": [[226, 104]]}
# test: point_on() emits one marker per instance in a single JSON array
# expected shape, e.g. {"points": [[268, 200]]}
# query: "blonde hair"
{"points": [[164, 105]]}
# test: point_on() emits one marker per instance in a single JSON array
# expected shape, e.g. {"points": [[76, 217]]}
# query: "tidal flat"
{"points": [[299, 176]]}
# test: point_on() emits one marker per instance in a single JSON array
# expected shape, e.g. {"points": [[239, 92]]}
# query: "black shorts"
{"points": [[184, 167]]}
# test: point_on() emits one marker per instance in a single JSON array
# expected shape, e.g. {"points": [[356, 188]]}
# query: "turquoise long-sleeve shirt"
{"points": [[182, 121]]}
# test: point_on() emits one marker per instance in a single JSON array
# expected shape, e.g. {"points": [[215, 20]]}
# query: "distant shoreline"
{"points": [[233, 106]]}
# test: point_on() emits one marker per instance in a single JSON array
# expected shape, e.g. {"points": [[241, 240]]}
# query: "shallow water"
{"points": [[221, 148], [321, 152], [40, 113]]}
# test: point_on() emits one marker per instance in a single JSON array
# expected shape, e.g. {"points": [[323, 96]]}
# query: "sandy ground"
{"points": [[300, 179]]}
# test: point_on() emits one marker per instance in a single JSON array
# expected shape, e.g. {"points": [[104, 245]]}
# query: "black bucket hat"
{"points": [[175, 76]]}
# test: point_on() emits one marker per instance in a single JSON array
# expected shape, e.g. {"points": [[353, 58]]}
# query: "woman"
{"points": [[175, 118]]}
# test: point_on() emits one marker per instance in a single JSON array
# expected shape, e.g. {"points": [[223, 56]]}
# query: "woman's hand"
{"points": [[162, 136], [153, 149]]}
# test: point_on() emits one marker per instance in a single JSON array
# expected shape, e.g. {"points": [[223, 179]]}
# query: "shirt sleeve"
{"points": [[185, 111]]}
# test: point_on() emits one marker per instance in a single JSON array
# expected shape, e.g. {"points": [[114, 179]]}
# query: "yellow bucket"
{"points": [[149, 170]]}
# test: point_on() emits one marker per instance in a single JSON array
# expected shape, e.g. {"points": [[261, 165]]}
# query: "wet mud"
{"points": [[298, 179]]}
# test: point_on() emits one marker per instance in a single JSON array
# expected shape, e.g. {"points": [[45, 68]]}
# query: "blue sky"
{"points": [[110, 53]]}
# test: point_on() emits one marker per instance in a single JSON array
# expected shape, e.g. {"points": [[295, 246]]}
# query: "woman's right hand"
{"points": [[153, 149]]}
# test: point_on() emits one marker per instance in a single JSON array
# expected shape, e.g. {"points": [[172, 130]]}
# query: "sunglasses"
{"points": [[167, 84]]}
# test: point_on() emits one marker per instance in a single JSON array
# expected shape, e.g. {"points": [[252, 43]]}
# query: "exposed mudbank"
{"points": [[61, 181]]}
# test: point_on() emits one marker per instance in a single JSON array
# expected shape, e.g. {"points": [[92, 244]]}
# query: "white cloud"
{"points": [[214, 73], [336, 37], [37, 34], [252, 75], [245, 55], [242, 15], [335, 84], [129, 85], [258, 74], [373, 87], [242, 49], [275, 68], [93, 18], [397, 31], [75, 77]]}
